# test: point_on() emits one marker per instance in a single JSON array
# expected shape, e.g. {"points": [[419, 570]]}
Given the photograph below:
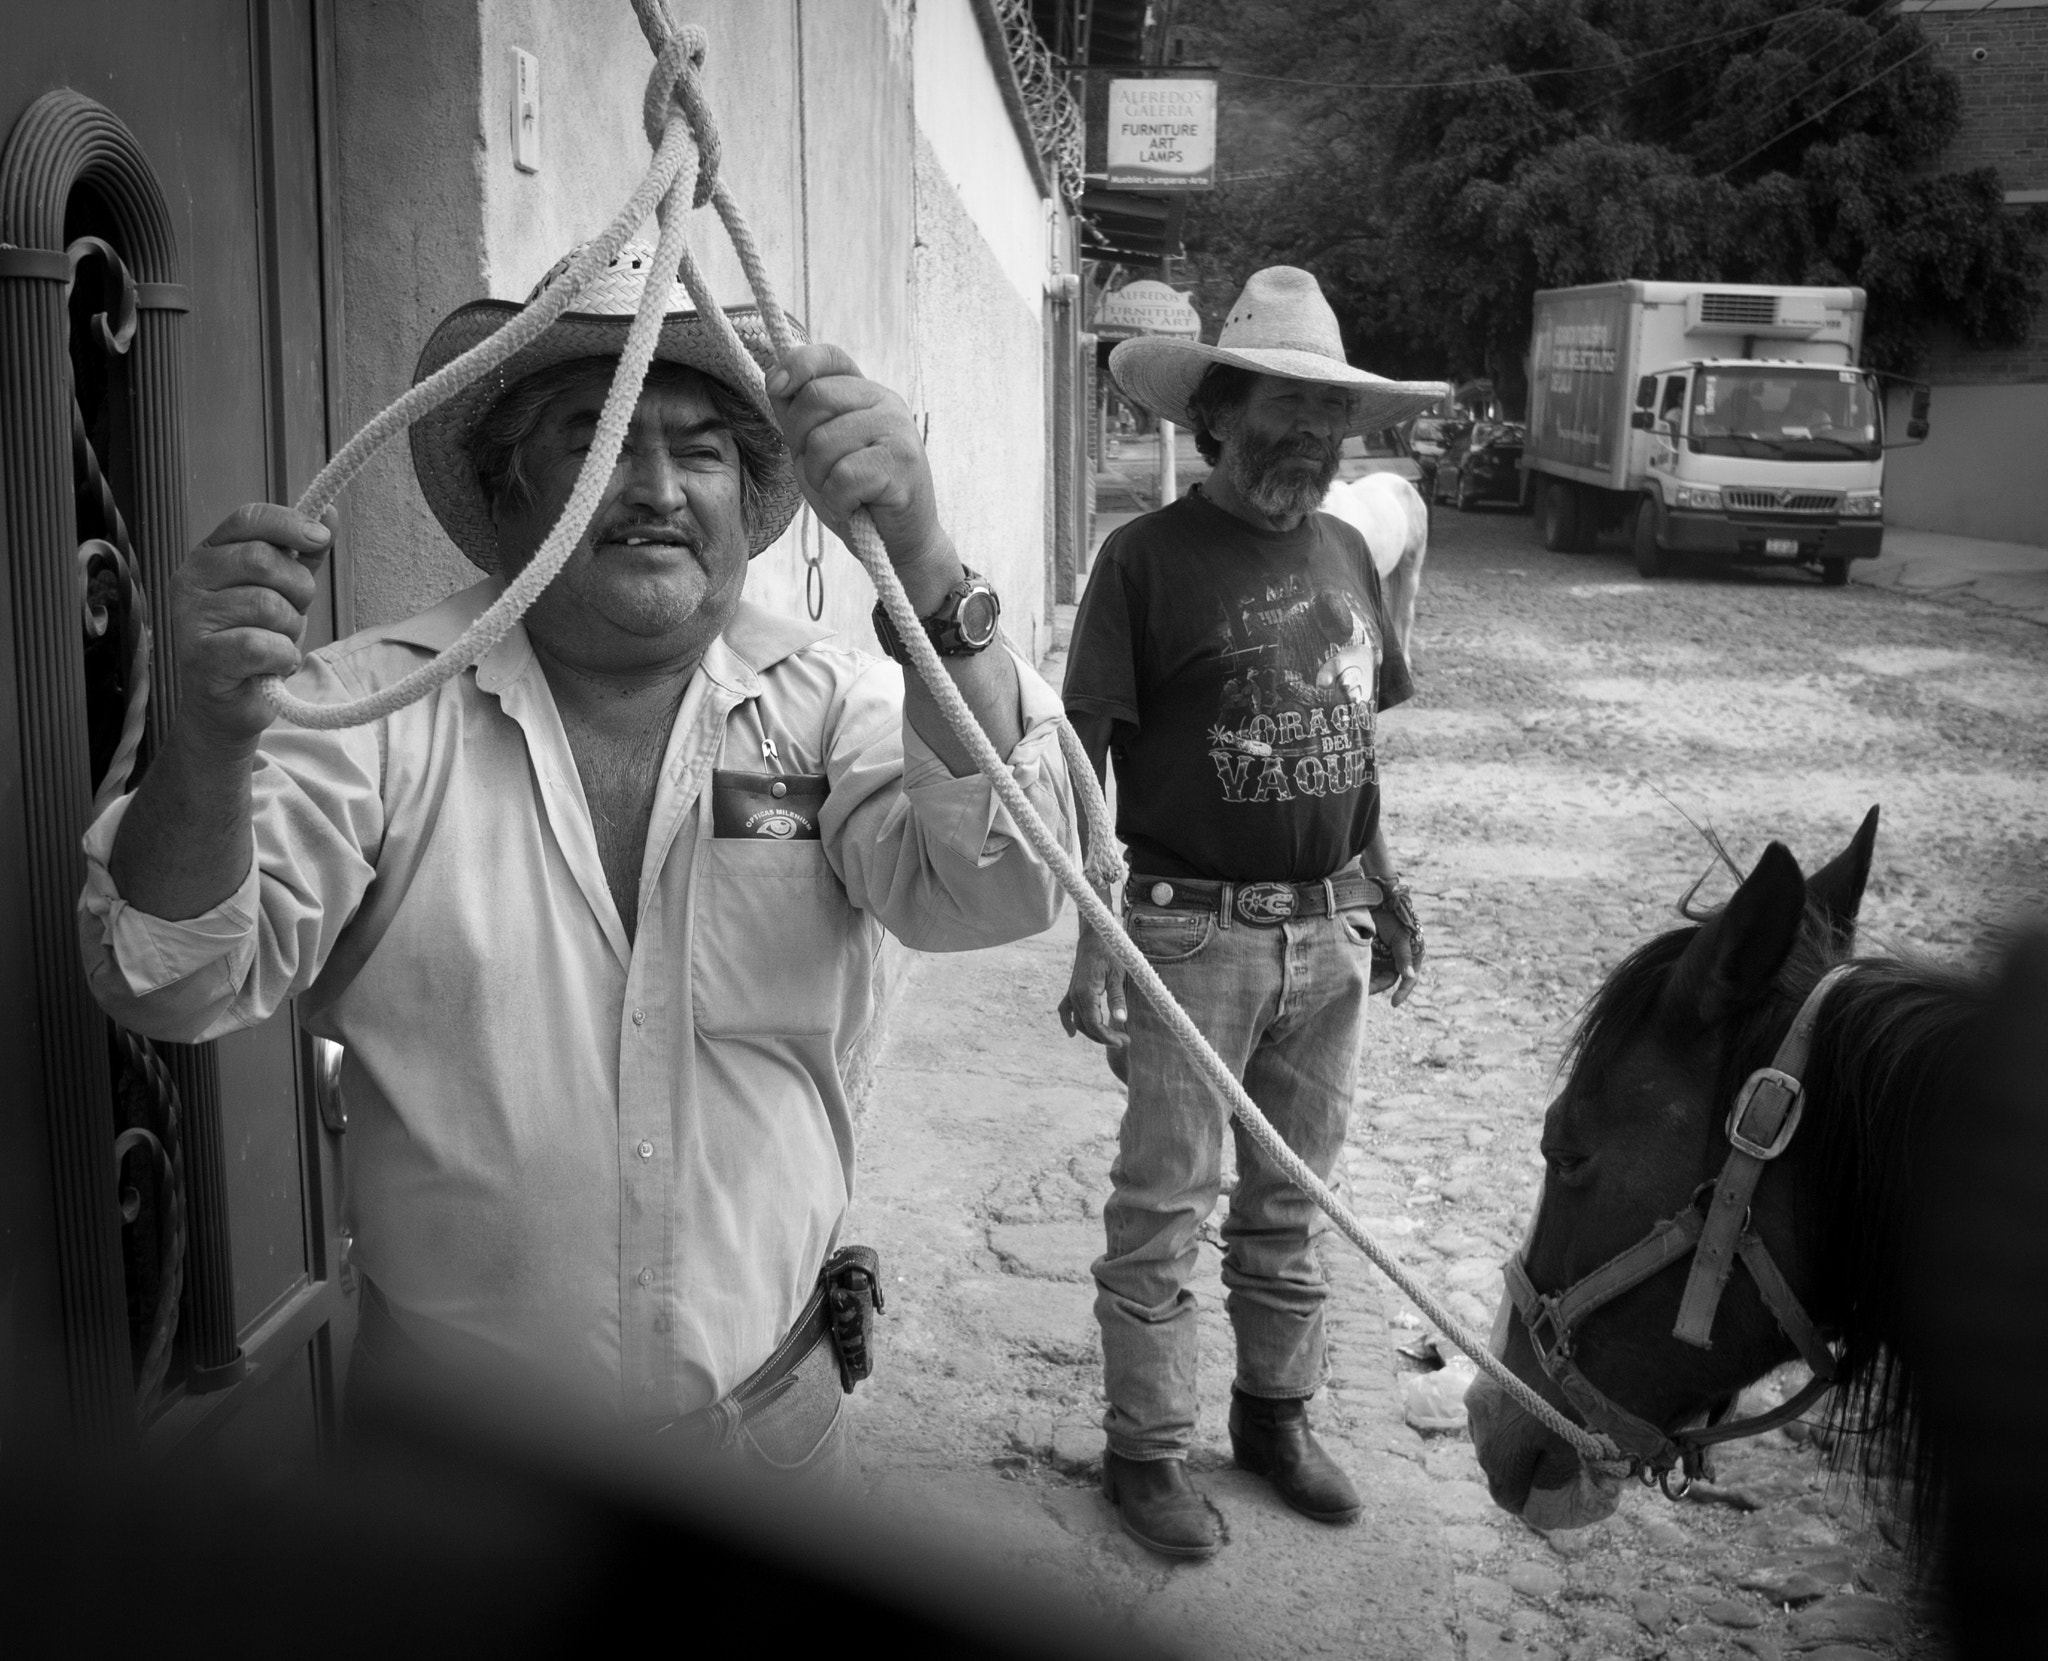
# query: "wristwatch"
{"points": [[964, 624]]}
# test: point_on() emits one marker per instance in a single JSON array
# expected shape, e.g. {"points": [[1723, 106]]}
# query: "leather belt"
{"points": [[720, 1423], [1261, 904]]}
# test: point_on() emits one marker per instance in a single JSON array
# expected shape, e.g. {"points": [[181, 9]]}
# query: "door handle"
{"points": [[327, 1085]]}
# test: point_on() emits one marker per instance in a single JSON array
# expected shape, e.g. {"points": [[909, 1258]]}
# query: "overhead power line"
{"points": [[1774, 85], [1787, 131]]}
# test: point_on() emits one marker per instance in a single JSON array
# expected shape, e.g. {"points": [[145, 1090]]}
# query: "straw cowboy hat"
{"points": [[440, 440], [1281, 325]]}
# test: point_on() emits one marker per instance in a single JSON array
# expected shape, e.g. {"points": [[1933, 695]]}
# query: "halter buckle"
{"points": [[1559, 1343], [1765, 1089]]}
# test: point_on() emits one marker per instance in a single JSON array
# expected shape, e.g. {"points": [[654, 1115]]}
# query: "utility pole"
{"points": [[1169, 471]]}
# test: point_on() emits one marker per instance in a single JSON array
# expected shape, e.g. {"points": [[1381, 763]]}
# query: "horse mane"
{"points": [[1890, 1045]]}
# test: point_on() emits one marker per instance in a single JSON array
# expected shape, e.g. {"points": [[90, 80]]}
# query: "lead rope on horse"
{"points": [[685, 173]]}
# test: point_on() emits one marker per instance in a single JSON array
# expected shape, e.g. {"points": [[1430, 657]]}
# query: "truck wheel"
{"points": [[1653, 559], [1834, 573], [1557, 516]]}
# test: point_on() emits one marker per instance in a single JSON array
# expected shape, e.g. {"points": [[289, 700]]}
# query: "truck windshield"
{"points": [[1801, 414]]}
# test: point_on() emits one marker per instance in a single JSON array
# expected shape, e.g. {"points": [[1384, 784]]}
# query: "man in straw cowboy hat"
{"points": [[594, 920], [1232, 652]]}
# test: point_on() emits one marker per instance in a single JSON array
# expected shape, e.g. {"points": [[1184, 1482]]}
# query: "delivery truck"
{"points": [[1725, 420]]}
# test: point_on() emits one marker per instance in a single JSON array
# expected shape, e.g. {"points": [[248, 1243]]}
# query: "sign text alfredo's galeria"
{"points": [[1162, 134]]}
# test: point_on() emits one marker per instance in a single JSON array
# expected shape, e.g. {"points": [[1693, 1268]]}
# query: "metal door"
{"points": [[163, 166]]}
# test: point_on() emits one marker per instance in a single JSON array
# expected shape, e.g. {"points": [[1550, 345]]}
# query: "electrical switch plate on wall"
{"points": [[525, 111]]}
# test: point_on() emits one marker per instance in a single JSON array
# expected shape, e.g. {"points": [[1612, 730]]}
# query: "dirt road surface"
{"points": [[1569, 716]]}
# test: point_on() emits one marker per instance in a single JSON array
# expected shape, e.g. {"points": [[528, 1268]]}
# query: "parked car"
{"points": [[1385, 451], [1483, 464], [1429, 436]]}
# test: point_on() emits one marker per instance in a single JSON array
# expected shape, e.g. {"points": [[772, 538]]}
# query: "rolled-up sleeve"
{"points": [[938, 859], [317, 816]]}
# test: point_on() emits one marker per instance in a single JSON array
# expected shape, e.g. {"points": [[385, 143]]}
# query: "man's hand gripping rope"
{"points": [[684, 137]]}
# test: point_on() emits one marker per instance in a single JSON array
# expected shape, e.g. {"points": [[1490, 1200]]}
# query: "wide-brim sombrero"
{"points": [[1280, 325], [440, 439]]}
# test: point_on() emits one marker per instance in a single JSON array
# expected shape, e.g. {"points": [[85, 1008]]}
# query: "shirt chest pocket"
{"points": [[776, 941]]}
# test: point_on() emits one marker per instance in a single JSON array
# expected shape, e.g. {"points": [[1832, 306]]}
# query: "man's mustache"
{"points": [[648, 530], [1299, 447]]}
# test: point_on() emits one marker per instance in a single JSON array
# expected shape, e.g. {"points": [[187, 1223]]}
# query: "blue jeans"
{"points": [[1284, 1006]]}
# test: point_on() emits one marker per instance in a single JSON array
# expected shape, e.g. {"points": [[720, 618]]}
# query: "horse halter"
{"points": [[1761, 1123]]}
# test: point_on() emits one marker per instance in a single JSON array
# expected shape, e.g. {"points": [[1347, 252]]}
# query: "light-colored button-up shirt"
{"points": [[622, 1162]]}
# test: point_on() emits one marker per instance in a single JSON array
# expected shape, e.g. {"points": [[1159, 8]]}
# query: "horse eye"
{"points": [[1565, 1165]]}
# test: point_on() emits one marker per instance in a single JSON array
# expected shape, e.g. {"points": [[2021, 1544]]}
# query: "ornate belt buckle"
{"points": [[1265, 902]]}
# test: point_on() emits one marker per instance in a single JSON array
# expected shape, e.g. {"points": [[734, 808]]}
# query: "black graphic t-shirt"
{"points": [[1245, 670]]}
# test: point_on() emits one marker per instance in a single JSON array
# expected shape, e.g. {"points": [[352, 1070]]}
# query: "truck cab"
{"points": [[1759, 460]]}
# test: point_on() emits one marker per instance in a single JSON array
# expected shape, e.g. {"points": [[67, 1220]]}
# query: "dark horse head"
{"points": [[1638, 1134]]}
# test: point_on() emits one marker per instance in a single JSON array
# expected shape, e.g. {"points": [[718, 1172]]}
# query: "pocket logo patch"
{"points": [[780, 824]]}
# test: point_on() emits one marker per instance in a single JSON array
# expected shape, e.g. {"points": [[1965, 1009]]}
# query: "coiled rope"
{"points": [[680, 128]]}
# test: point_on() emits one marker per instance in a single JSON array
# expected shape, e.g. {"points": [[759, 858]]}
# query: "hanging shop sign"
{"points": [[1146, 308], [1161, 135]]}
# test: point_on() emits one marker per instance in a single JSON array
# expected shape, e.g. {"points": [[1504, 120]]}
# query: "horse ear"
{"points": [[1737, 953], [1837, 887]]}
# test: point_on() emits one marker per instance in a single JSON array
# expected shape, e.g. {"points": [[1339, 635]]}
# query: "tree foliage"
{"points": [[1474, 151]]}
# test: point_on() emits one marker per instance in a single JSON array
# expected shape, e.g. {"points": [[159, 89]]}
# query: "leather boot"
{"points": [[1272, 1439], [1158, 1506]]}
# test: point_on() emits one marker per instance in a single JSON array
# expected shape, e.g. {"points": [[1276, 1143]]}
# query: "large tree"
{"points": [[1483, 149]]}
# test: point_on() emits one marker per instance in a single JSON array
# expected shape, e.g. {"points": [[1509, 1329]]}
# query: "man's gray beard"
{"points": [[1276, 490]]}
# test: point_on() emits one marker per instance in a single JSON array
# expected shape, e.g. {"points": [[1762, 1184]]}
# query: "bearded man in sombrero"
{"points": [[1232, 653], [595, 919]]}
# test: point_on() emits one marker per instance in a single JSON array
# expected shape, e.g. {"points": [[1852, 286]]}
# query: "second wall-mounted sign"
{"points": [[1146, 308]]}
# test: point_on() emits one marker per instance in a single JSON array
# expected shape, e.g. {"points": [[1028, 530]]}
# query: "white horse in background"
{"points": [[1391, 515]]}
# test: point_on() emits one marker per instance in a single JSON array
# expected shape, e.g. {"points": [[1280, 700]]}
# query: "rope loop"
{"points": [[673, 87]]}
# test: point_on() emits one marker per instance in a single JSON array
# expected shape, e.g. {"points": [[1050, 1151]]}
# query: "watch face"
{"points": [[977, 618]]}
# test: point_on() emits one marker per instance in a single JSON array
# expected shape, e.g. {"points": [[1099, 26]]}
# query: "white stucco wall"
{"points": [[1979, 473], [591, 63], [815, 101], [960, 111], [410, 233], [846, 83], [981, 363]]}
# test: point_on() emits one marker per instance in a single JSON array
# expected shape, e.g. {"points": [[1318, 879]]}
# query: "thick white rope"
{"points": [[673, 97]]}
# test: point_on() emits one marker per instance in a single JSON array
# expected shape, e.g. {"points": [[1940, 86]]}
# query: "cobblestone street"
{"points": [[1569, 718]]}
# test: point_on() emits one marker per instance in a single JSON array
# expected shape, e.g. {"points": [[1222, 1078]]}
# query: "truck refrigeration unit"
{"points": [[1713, 419]]}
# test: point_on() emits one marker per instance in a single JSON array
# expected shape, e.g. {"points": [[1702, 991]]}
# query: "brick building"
{"points": [[1979, 473]]}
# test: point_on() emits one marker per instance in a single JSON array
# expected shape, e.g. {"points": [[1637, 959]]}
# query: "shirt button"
{"points": [[639, 1017], [646, 1277], [778, 788], [647, 1388], [1162, 893], [646, 1150]]}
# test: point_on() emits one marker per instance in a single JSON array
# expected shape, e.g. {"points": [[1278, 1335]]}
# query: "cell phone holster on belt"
{"points": [[853, 1298]]}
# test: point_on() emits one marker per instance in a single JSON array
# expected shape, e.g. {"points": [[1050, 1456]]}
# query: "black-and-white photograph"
{"points": [[1043, 828]]}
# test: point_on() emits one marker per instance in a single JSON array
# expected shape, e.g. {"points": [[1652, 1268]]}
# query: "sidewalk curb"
{"points": [[2009, 577]]}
